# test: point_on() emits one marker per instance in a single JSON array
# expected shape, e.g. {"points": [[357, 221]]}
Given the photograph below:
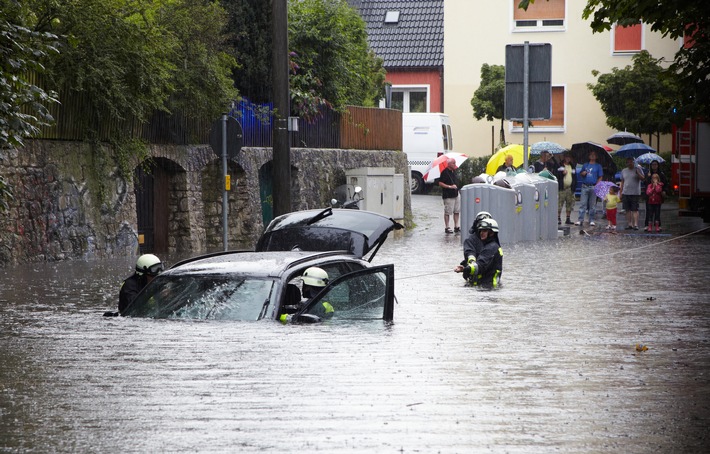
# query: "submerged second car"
{"points": [[266, 284]]}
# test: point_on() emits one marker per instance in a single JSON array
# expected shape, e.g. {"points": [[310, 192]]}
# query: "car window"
{"points": [[359, 295], [204, 297]]}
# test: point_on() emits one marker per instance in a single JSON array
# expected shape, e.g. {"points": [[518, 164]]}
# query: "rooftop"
{"points": [[405, 34]]}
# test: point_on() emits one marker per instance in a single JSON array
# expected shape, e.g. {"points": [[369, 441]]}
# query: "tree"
{"points": [[489, 99], [249, 38], [639, 98], [331, 61], [131, 58], [23, 52]]}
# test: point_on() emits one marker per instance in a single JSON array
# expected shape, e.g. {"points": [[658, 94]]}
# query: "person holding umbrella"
{"points": [[590, 175], [507, 166], [450, 194], [544, 162], [631, 178]]}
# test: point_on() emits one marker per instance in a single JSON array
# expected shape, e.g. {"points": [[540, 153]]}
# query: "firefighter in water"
{"points": [[147, 267], [314, 279], [485, 268]]}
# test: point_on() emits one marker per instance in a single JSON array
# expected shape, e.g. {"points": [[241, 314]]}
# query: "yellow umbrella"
{"points": [[499, 157]]}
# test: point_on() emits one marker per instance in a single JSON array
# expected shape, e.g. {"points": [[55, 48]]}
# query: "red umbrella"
{"points": [[439, 164]]}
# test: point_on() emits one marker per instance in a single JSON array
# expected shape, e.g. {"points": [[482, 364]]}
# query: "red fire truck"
{"points": [[690, 168]]}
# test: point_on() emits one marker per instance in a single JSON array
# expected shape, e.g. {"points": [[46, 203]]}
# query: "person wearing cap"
{"points": [[450, 194], [486, 268], [147, 267]]}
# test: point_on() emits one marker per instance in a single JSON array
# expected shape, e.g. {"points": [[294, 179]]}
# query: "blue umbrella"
{"points": [[623, 137], [648, 158], [633, 150], [552, 147]]}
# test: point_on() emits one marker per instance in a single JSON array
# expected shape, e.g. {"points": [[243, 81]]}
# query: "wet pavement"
{"points": [[596, 342]]}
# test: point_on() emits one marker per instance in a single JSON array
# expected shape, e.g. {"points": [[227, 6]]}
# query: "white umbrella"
{"points": [[648, 158]]}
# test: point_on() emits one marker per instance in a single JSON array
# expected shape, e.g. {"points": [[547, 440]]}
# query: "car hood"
{"points": [[355, 231]]}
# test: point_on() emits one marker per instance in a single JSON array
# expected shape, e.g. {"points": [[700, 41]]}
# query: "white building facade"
{"points": [[477, 31]]}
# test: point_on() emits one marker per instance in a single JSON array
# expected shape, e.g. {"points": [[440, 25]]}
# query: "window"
{"points": [[392, 17], [628, 39], [541, 15], [410, 99], [556, 123]]}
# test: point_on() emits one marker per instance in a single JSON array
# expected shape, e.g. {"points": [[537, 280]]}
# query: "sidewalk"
{"points": [[670, 221]]}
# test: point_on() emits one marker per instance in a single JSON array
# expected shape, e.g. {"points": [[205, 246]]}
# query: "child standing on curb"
{"points": [[654, 191], [612, 200]]}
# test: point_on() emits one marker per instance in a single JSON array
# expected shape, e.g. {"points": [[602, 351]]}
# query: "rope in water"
{"points": [[585, 258]]}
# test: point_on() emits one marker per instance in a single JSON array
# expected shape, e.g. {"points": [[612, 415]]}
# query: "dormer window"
{"points": [[392, 17]]}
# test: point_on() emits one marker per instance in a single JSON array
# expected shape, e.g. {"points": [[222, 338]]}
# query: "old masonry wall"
{"points": [[70, 200]]}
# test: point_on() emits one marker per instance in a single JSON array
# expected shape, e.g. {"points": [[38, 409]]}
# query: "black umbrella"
{"points": [[580, 152], [623, 137]]}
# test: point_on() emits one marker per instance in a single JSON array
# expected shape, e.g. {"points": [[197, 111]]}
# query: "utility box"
{"points": [[382, 190]]}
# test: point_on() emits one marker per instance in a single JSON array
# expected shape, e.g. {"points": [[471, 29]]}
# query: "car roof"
{"points": [[257, 264], [355, 231]]}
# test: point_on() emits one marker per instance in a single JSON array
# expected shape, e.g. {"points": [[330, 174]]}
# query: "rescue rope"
{"points": [[646, 246], [586, 258]]}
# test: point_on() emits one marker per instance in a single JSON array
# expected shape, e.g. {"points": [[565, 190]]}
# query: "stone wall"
{"points": [[71, 202]]}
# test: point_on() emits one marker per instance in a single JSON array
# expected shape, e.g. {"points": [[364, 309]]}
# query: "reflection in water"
{"points": [[546, 363]]}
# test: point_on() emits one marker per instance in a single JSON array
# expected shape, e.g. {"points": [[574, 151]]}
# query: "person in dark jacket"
{"points": [[545, 162], [566, 175], [147, 267], [472, 245], [486, 268], [507, 166], [654, 167], [449, 185]]}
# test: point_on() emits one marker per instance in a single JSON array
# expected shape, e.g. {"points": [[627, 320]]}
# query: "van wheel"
{"points": [[416, 183]]}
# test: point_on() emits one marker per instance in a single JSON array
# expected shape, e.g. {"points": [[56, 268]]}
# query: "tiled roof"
{"points": [[415, 41]]}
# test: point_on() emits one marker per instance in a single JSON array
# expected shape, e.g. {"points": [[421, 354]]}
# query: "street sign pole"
{"points": [[526, 106], [225, 194]]}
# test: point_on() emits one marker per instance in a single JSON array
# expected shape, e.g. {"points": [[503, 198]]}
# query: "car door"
{"points": [[365, 294]]}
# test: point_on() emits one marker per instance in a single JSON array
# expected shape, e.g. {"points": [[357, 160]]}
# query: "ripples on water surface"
{"points": [[548, 363]]}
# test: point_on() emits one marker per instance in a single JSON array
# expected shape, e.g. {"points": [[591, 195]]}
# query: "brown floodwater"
{"points": [[549, 362]]}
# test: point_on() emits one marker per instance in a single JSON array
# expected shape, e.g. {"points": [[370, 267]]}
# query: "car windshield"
{"points": [[204, 297]]}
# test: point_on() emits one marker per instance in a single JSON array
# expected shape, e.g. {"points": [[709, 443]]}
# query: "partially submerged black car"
{"points": [[266, 284]]}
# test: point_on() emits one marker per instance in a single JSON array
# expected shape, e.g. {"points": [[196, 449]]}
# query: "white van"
{"points": [[424, 137]]}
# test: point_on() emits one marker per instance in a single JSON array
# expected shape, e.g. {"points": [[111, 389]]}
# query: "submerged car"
{"points": [[266, 284]]}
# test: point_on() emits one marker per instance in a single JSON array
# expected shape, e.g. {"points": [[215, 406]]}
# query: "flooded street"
{"points": [[547, 363]]}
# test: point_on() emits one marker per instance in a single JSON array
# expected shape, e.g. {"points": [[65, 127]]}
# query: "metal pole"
{"points": [[225, 194], [526, 80], [280, 138]]}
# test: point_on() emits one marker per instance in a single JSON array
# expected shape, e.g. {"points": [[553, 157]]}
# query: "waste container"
{"points": [[544, 203], [500, 202]]}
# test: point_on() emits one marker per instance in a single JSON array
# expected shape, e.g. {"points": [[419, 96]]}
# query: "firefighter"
{"points": [[147, 267], [314, 279], [485, 268]]}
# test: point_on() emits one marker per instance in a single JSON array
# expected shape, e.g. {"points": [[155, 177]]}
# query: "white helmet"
{"points": [[315, 277], [149, 264], [479, 217], [488, 224]]}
